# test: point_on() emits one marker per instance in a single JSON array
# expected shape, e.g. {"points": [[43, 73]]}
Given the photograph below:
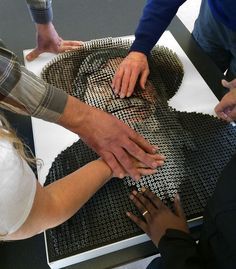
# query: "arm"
{"points": [[60, 200], [47, 37], [167, 230], [23, 92], [157, 15]]}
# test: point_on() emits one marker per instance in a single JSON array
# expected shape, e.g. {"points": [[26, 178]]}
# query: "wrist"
{"points": [[105, 169], [44, 27], [137, 55], [41, 15], [74, 115]]}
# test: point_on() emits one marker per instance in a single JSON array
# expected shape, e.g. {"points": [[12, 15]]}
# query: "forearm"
{"points": [[157, 15], [59, 201], [74, 190], [23, 92], [74, 115], [178, 250]]}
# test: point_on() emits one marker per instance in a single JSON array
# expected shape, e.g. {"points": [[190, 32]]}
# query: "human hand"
{"points": [[48, 40], [158, 217], [226, 109], [112, 139], [142, 168], [118, 144], [133, 66]]}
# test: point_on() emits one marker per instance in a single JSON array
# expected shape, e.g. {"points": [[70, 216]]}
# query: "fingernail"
{"points": [[155, 149], [143, 189], [161, 162], [131, 197], [121, 175], [128, 214], [128, 94], [177, 197]]}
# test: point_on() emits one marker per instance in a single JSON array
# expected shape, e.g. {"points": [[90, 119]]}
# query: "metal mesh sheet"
{"points": [[197, 146]]}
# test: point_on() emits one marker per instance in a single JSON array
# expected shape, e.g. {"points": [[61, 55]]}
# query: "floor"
{"points": [[187, 13]]}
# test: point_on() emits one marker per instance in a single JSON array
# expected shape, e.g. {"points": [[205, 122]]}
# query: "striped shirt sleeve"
{"points": [[40, 10], [23, 92]]}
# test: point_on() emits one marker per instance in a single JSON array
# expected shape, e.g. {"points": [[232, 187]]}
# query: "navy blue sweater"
{"points": [[157, 15]]}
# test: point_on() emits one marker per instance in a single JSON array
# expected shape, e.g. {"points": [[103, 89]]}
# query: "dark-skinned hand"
{"points": [[158, 217]]}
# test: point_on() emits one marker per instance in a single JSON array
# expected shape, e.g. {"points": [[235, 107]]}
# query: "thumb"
{"points": [[33, 55], [230, 84], [178, 208]]}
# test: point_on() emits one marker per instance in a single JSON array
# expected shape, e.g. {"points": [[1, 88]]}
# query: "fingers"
{"points": [[143, 204], [68, 45], [144, 169], [127, 163], [142, 144], [126, 76], [226, 109], [117, 169], [138, 221], [73, 43], [117, 80], [178, 208], [132, 82], [143, 78], [140, 153], [152, 197], [125, 83], [134, 197], [33, 54], [229, 84]]}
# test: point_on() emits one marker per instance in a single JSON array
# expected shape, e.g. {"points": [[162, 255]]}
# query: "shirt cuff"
{"points": [[41, 16], [143, 46], [52, 105], [173, 238], [33, 96]]}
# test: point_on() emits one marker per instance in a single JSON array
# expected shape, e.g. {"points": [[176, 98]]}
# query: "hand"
{"points": [[112, 139], [133, 66], [159, 217], [48, 40], [117, 144], [226, 109], [142, 168]]}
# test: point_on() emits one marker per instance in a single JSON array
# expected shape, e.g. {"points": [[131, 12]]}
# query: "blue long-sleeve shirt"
{"points": [[41, 10], [157, 15]]}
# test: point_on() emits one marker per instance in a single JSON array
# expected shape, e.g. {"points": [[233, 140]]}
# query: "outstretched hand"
{"points": [[143, 169], [112, 139], [48, 40], [118, 144], [134, 66], [158, 217], [226, 109]]}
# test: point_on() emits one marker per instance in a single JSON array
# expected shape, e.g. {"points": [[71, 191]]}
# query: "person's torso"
{"points": [[224, 11]]}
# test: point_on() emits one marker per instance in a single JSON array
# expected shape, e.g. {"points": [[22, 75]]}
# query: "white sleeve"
{"points": [[17, 189]]}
